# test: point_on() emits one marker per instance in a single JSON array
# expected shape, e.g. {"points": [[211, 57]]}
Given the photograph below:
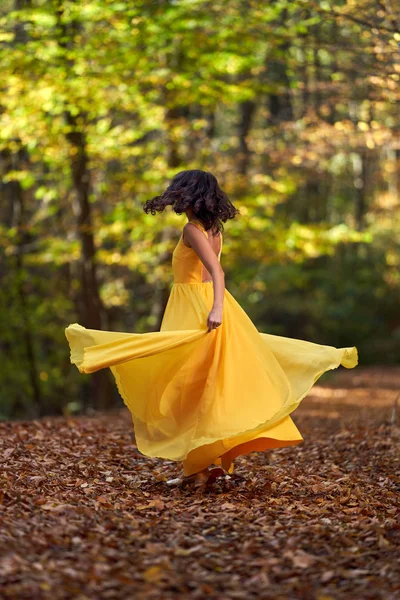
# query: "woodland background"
{"points": [[294, 106]]}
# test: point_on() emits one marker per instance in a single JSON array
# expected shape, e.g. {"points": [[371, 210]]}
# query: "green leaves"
{"points": [[291, 105]]}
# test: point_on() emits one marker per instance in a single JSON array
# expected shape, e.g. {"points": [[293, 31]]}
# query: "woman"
{"points": [[208, 386]]}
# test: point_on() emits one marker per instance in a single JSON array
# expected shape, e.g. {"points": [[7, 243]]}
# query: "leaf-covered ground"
{"points": [[84, 515]]}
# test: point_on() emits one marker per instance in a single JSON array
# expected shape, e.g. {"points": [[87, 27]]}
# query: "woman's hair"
{"points": [[198, 190]]}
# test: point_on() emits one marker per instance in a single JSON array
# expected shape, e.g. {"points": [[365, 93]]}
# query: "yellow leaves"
{"points": [[345, 126], [25, 177], [42, 18], [363, 126], [179, 81], [155, 573], [103, 125], [229, 63], [392, 258], [199, 124], [114, 292], [260, 285], [187, 551], [262, 179], [370, 143], [115, 257], [313, 240], [6, 37], [45, 586]]}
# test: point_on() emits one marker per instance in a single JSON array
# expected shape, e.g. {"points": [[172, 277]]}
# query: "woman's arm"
{"points": [[196, 240]]}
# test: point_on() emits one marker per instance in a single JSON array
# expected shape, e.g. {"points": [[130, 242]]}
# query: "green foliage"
{"points": [[292, 106]]}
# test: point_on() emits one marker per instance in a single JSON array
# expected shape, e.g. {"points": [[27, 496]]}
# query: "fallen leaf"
{"points": [[157, 503], [154, 574], [327, 576]]}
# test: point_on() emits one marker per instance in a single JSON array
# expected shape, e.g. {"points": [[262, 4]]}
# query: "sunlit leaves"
{"points": [[141, 79]]}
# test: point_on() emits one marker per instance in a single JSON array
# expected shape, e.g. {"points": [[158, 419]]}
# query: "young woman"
{"points": [[208, 386]]}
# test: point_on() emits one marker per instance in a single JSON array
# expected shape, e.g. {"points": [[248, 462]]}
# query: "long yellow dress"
{"points": [[206, 397]]}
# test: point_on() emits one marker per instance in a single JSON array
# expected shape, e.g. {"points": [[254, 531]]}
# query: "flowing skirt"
{"points": [[207, 397]]}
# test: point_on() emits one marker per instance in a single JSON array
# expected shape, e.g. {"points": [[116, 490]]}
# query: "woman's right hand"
{"points": [[214, 318]]}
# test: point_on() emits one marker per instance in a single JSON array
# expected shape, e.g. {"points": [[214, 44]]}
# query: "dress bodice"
{"points": [[186, 265]]}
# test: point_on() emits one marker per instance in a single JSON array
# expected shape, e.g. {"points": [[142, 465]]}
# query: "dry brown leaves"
{"points": [[84, 515]]}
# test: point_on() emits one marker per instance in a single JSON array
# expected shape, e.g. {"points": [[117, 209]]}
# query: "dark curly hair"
{"points": [[198, 190]]}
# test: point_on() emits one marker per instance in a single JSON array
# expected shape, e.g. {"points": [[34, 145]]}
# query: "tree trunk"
{"points": [[317, 76], [90, 303], [173, 119], [90, 306], [246, 114], [280, 102], [15, 162], [360, 181], [161, 289], [17, 199]]}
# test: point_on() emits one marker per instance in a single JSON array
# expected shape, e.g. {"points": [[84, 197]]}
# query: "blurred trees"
{"points": [[294, 107]]}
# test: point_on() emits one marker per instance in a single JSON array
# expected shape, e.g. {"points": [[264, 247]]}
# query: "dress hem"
{"points": [[349, 357]]}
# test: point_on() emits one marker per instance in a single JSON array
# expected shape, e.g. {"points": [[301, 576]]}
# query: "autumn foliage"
{"points": [[84, 515], [292, 105]]}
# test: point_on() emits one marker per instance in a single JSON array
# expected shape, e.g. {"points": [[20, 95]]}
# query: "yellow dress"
{"points": [[206, 397]]}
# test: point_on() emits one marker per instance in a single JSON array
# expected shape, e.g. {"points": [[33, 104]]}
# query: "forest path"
{"points": [[84, 515]]}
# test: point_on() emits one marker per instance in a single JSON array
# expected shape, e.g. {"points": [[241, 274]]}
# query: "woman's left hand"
{"points": [[214, 319]]}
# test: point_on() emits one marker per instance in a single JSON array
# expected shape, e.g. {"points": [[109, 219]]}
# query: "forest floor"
{"points": [[83, 515]]}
